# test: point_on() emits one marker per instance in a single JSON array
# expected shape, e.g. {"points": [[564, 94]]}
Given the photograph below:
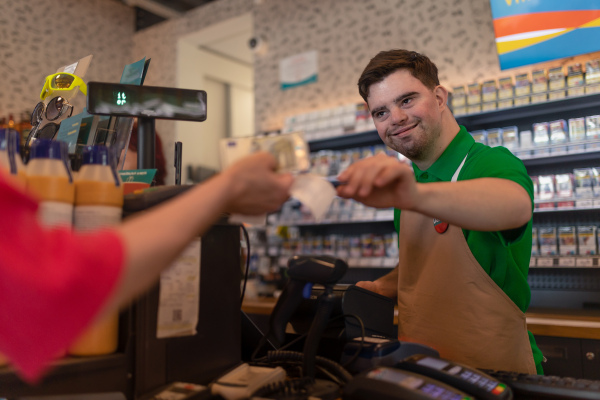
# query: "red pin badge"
{"points": [[440, 226]]}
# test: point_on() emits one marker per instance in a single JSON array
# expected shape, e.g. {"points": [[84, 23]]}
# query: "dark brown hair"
{"points": [[388, 62]]}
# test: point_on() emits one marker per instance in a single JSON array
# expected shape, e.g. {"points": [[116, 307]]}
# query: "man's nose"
{"points": [[398, 115]]}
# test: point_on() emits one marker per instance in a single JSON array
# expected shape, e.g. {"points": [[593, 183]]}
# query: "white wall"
{"points": [[194, 68]]}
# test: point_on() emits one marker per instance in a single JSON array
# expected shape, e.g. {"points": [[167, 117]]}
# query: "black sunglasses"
{"points": [[56, 108]]}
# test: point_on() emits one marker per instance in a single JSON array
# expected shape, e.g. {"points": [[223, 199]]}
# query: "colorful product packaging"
{"points": [[505, 88], [480, 136], [548, 239], [494, 137], [567, 240], [510, 138], [586, 240]]}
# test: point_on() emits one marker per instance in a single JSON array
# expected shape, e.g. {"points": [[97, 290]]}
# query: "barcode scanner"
{"points": [[303, 272]]}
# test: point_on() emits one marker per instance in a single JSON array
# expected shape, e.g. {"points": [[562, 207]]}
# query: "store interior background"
{"points": [[37, 37]]}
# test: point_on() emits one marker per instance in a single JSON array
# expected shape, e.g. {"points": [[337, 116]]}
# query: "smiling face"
{"points": [[408, 115]]}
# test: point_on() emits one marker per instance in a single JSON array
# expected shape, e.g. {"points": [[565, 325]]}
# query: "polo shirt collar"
{"points": [[445, 166]]}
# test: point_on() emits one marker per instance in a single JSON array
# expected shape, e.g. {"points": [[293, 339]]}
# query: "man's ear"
{"points": [[441, 95]]}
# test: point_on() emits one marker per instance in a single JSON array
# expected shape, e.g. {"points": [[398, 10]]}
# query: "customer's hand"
{"points": [[255, 187]]}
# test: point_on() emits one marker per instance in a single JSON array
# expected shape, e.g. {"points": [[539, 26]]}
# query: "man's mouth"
{"points": [[403, 130]]}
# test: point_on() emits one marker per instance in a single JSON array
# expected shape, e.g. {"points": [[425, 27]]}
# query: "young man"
{"points": [[463, 212]]}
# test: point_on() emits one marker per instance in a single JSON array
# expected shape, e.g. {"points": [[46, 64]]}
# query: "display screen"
{"points": [[534, 31], [146, 101]]}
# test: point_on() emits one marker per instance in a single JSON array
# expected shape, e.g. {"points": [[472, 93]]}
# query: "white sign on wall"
{"points": [[298, 70]]}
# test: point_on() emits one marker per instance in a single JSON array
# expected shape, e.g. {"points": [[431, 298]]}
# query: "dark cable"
{"points": [[247, 262], [362, 341], [290, 386]]}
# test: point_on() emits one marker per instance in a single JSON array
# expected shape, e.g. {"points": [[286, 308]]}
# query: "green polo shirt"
{"points": [[503, 255]]}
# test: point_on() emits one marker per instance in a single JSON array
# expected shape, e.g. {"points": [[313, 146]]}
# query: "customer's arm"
{"points": [[152, 240], [53, 283]]}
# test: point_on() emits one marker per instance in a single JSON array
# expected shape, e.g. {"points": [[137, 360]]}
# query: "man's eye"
{"points": [[406, 101], [379, 114]]}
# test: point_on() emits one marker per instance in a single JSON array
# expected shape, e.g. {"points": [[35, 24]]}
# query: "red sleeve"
{"points": [[52, 282]]}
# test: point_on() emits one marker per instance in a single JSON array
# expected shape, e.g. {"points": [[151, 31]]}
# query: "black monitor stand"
{"points": [[146, 143]]}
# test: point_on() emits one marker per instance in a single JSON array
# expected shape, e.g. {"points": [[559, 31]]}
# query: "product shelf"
{"points": [[570, 107], [565, 262]]}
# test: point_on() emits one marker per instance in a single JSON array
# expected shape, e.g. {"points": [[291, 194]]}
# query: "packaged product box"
{"points": [[342, 248], [391, 245], [536, 187], [556, 78], [480, 136], [510, 138], [592, 127], [355, 247], [525, 139], [576, 135], [474, 94], [539, 81], [557, 95], [522, 101], [592, 71], [459, 97], [596, 181], [592, 76], [565, 185], [494, 137], [367, 151], [378, 246], [489, 91], [575, 75], [558, 135], [584, 182], [491, 106], [541, 137], [576, 129], [505, 103], [558, 131], [366, 244], [539, 98], [505, 88], [565, 190], [329, 242], [474, 109], [522, 85], [592, 89], [535, 247], [546, 192], [567, 240], [575, 80], [548, 239], [458, 111], [586, 240]]}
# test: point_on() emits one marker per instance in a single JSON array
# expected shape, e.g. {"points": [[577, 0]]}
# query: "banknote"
{"points": [[290, 150]]}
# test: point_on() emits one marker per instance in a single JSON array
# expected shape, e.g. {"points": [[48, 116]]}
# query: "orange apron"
{"points": [[447, 301]]}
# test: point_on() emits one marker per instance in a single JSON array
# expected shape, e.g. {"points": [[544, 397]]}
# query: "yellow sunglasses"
{"points": [[62, 82]]}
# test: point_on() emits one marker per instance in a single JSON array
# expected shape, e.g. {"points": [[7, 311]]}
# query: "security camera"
{"points": [[257, 44]]}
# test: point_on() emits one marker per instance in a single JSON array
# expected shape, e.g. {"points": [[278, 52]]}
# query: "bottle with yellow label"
{"points": [[49, 179], [98, 203], [10, 158]]}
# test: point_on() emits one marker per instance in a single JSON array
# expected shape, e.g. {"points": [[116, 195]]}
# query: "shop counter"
{"points": [[545, 322]]}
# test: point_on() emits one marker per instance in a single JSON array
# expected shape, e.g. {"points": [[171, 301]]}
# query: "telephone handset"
{"points": [[462, 377], [385, 383]]}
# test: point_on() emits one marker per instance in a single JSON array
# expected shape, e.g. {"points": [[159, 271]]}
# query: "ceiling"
{"points": [[149, 12]]}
